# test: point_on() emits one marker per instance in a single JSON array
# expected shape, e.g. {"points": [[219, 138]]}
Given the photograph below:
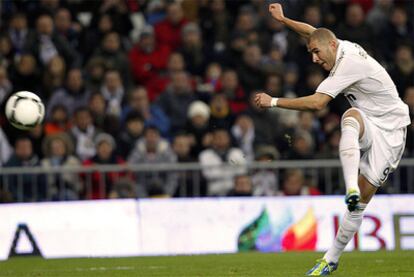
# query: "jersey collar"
{"points": [[339, 56]]}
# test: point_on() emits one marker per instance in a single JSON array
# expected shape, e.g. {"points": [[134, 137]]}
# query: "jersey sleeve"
{"points": [[345, 74]]}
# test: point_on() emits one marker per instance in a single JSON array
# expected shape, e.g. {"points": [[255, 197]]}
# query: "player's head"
{"points": [[322, 44]]}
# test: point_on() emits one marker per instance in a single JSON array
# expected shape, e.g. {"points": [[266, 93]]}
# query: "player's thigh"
{"points": [[366, 188]]}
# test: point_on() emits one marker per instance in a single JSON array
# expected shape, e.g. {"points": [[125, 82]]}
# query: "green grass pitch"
{"points": [[382, 263]]}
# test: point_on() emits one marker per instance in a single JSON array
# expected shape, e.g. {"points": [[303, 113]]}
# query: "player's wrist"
{"points": [[273, 102]]}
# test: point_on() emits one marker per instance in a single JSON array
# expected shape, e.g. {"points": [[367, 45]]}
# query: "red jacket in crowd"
{"points": [[146, 66], [169, 34]]}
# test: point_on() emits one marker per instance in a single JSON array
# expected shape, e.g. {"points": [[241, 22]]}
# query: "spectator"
{"points": [[95, 73], [243, 132], [250, 72], [102, 183], [113, 91], [214, 160], [220, 113], [176, 100], [111, 52], [168, 31], [215, 24], [148, 58], [403, 71], [53, 76], [290, 79], [211, 78], [195, 53], [21, 186], [119, 14], [6, 51], [313, 77], [198, 127], [6, 85], [294, 184], [58, 151], [274, 85], [272, 62], [133, 130], [355, 28], [378, 16], [25, 75], [100, 25], [152, 114], [19, 32], [397, 31], [47, 44], [308, 122], [103, 120], [266, 125], [246, 21], [187, 182], [158, 85], [181, 146], [265, 181], [274, 35], [123, 188], [155, 11], [73, 95], [229, 85], [232, 56], [58, 122], [330, 148], [312, 15], [157, 189], [242, 186], [67, 28], [302, 146], [152, 149], [37, 135], [83, 133]]}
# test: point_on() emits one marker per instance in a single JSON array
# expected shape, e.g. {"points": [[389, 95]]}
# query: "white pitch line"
{"points": [[103, 268]]}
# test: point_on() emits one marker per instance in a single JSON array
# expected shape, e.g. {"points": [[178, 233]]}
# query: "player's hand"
{"points": [[263, 100], [277, 12]]}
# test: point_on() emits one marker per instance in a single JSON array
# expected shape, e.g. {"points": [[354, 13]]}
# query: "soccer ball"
{"points": [[24, 110]]}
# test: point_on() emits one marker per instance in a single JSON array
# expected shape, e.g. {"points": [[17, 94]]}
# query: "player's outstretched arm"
{"points": [[314, 102], [301, 28]]}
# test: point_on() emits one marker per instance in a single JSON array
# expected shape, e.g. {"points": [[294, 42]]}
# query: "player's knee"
{"points": [[352, 119], [352, 113], [350, 123]]}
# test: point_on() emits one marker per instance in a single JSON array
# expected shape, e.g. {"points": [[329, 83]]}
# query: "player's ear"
{"points": [[333, 43]]}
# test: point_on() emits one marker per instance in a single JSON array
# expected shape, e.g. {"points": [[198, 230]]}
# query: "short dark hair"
{"points": [[133, 115]]}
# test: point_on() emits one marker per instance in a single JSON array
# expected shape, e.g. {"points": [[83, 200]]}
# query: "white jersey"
{"points": [[367, 86]]}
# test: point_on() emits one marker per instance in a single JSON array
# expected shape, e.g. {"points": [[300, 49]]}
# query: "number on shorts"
{"points": [[350, 97], [385, 173]]}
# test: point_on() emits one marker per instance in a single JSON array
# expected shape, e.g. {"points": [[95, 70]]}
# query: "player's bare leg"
{"points": [[349, 226], [352, 129]]}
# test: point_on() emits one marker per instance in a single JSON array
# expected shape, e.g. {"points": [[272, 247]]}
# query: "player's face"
{"points": [[323, 53]]}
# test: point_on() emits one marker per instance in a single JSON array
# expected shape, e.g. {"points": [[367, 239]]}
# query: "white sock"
{"points": [[349, 152], [349, 226]]}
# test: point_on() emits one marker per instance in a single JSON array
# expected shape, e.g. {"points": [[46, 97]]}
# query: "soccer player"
{"points": [[376, 123]]}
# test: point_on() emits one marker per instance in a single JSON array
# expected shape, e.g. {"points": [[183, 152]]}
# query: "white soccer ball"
{"points": [[24, 110]]}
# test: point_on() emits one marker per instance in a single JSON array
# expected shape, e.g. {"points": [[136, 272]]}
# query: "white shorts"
{"points": [[381, 151]]}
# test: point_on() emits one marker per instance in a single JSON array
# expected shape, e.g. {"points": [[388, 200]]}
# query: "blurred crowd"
{"points": [[157, 81]]}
